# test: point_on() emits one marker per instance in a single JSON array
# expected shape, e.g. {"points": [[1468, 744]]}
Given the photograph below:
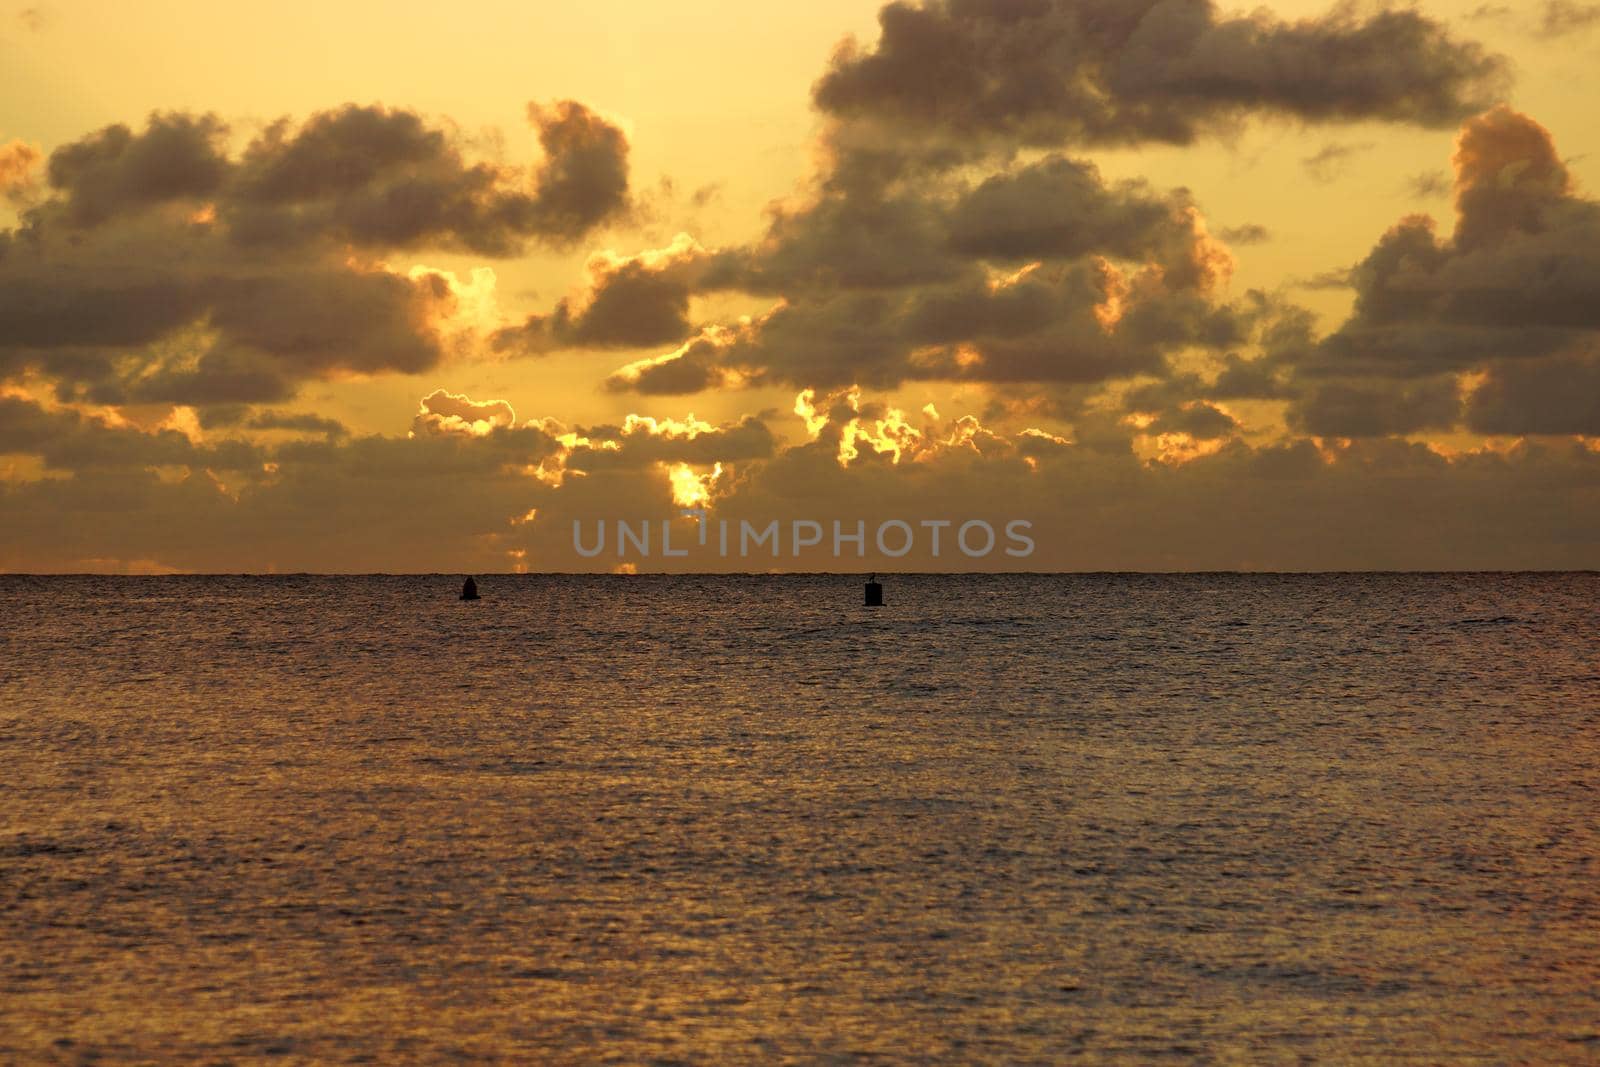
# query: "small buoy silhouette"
{"points": [[469, 591], [874, 592]]}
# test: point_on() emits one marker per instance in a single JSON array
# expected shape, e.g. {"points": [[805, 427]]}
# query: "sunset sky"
{"points": [[390, 287]]}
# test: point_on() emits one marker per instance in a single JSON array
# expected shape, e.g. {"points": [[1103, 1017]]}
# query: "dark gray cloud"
{"points": [[1188, 402], [1510, 181], [365, 504], [858, 239], [159, 268], [1048, 72], [1380, 410], [584, 179], [319, 321], [462, 500], [1062, 208], [1555, 395], [383, 178], [1232, 378], [635, 307], [373, 177], [889, 271], [1043, 272], [66, 440], [298, 423], [635, 302], [226, 377], [1082, 321], [148, 313], [116, 171], [1517, 280], [70, 307], [694, 368], [1248, 379]]}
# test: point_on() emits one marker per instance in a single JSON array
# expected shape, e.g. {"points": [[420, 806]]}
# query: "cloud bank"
{"points": [[168, 292]]}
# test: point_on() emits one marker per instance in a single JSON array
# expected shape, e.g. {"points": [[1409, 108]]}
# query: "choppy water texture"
{"points": [[745, 820]]}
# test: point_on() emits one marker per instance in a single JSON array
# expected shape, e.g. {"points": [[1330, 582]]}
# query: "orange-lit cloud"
{"points": [[18, 161], [445, 412]]}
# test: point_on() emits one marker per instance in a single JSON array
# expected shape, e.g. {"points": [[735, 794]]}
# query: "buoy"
{"points": [[469, 591], [874, 592]]}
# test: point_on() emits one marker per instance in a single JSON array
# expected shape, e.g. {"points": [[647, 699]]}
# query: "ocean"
{"points": [[662, 820]]}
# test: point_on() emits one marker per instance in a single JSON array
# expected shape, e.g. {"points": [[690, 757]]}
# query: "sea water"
{"points": [[687, 820]]}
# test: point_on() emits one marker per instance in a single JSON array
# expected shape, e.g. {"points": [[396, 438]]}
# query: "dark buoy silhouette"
{"points": [[469, 591], [874, 592]]}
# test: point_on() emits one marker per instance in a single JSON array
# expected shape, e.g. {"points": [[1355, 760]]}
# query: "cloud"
{"points": [[1517, 280], [227, 377], [383, 178], [846, 239], [352, 320], [446, 412], [1248, 234], [1489, 13], [1550, 20], [364, 504], [17, 162], [42, 309], [584, 179], [373, 177], [480, 501], [219, 339], [1118, 393], [1329, 163], [1061, 208], [907, 263], [632, 302], [1041, 272], [1340, 410], [1558, 394], [162, 268], [1187, 402], [1200, 420], [642, 441], [1048, 72], [1522, 255], [298, 423], [1509, 179], [1429, 184], [1339, 278], [1084, 321], [692, 368], [1562, 18], [68, 440], [116, 171]]}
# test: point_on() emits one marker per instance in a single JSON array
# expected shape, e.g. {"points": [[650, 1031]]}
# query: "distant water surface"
{"points": [[687, 820]]}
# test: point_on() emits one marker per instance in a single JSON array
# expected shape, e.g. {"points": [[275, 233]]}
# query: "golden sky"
{"points": [[352, 286]]}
